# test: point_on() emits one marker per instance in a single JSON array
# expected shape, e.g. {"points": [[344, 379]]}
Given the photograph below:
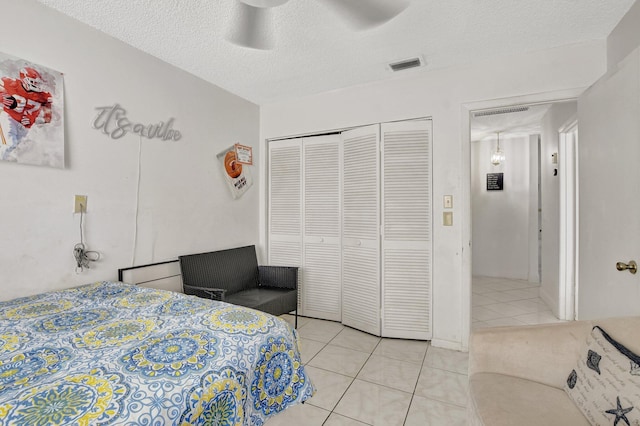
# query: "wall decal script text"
{"points": [[113, 122]]}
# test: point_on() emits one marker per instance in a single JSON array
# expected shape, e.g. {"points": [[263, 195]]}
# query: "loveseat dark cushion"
{"points": [[233, 276], [274, 301]]}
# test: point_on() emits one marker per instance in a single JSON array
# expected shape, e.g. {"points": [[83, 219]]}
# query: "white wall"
{"points": [[553, 120], [500, 219], [625, 37], [185, 206], [441, 95]]}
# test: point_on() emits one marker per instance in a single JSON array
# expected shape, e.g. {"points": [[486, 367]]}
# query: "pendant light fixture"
{"points": [[497, 156]]}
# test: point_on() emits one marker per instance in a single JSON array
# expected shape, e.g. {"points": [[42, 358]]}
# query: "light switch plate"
{"points": [[448, 201], [80, 204], [447, 218]]}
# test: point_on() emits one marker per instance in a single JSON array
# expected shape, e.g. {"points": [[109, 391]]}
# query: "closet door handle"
{"points": [[322, 239], [359, 243]]}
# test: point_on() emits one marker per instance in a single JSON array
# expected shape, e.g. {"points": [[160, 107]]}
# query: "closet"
{"points": [[353, 211]]}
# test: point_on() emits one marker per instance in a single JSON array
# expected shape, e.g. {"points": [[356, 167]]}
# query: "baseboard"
{"points": [[447, 344]]}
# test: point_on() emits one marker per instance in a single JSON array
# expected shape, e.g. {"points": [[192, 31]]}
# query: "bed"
{"points": [[114, 353]]}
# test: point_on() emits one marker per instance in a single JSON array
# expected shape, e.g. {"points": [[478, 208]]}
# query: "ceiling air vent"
{"points": [[508, 110], [406, 64]]}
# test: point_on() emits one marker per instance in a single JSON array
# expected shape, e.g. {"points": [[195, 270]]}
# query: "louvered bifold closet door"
{"points": [[285, 201], [321, 217], [361, 229], [406, 230]]}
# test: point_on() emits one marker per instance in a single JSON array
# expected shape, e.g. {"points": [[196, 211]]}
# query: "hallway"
{"points": [[502, 302]]}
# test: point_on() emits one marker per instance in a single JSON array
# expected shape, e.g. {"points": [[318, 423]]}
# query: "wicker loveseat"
{"points": [[233, 276]]}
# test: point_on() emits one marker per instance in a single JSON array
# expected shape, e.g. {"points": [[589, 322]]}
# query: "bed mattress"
{"points": [[113, 353]]}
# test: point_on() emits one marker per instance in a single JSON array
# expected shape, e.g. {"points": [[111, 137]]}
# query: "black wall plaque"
{"points": [[495, 181]]}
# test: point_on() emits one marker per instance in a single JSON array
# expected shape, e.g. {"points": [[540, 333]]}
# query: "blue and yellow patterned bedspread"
{"points": [[112, 353]]}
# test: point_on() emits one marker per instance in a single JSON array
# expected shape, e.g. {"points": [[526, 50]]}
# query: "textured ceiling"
{"points": [[317, 52]]}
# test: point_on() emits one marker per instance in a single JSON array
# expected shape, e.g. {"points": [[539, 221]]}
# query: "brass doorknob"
{"points": [[632, 266]]}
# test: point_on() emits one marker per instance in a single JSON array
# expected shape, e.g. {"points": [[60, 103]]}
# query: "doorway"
{"points": [[516, 277], [505, 216]]}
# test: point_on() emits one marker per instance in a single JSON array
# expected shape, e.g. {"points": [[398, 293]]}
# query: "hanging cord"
{"points": [[135, 223], [80, 253]]}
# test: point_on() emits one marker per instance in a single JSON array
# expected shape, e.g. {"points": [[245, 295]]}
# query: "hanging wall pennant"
{"points": [[238, 176], [244, 154]]}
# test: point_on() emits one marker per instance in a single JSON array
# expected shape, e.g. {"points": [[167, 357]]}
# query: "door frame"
{"points": [[568, 173], [466, 110]]}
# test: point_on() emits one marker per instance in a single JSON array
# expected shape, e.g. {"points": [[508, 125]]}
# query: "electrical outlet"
{"points": [[80, 204]]}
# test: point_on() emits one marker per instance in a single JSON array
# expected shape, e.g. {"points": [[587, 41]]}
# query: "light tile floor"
{"points": [[502, 302], [365, 380]]}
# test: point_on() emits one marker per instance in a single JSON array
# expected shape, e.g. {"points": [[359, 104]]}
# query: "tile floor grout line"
{"points": [[352, 379], [503, 289], [370, 355], [406, 416], [350, 384], [415, 387], [481, 286], [383, 386], [442, 401]]}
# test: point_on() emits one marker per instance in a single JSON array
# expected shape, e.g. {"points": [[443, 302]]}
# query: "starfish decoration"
{"points": [[620, 413]]}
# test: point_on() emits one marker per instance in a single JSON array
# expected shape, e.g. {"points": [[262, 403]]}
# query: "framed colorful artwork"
{"points": [[31, 114]]}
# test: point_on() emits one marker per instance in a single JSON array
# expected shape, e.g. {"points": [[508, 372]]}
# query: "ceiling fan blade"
{"points": [[365, 14], [265, 3], [251, 26]]}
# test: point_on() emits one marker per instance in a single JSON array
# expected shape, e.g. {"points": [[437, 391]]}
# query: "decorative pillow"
{"points": [[605, 384]]}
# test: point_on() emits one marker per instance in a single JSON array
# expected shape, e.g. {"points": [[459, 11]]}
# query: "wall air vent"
{"points": [[406, 64], [508, 110]]}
